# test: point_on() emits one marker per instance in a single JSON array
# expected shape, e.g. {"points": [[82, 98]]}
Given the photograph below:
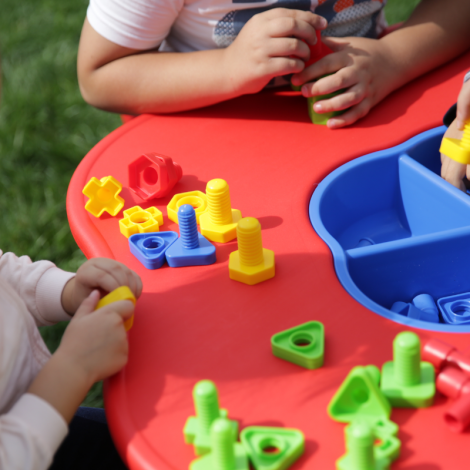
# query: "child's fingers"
{"points": [[350, 116], [328, 65], [286, 47], [124, 308], [88, 305], [463, 106], [288, 27], [282, 66], [345, 100], [314, 21]]}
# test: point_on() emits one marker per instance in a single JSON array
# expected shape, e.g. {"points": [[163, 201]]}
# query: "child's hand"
{"points": [[360, 65], [95, 342], [98, 273], [265, 47], [463, 106]]}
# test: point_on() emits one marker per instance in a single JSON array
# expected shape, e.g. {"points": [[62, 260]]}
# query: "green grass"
{"points": [[46, 129]]}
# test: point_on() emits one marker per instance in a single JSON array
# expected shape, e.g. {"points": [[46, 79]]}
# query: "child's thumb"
{"points": [[89, 304]]}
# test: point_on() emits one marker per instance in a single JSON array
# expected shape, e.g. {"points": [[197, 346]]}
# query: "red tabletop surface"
{"points": [[195, 323]]}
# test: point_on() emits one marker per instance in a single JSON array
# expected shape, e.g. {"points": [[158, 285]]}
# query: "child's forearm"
{"points": [[154, 81], [62, 384], [436, 32]]}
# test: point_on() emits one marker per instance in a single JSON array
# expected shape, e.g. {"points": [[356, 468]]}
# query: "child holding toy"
{"points": [[130, 56], [40, 393], [455, 119]]}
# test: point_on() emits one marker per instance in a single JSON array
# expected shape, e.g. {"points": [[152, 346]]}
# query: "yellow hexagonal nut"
{"points": [[251, 263], [121, 293], [138, 220], [197, 199], [219, 223]]}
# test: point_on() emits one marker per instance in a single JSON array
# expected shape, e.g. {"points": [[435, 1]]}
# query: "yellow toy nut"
{"points": [[197, 199], [252, 263], [103, 196], [219, 223], [458, 150], [138, 220], [121, 293]]}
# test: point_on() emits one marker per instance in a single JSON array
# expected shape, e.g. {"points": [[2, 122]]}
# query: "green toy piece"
{"points": [[361, 453], [272, 448], [303, 345], [407, 381], [359, 396], [317, 118], [225, 453], [197, 428]]}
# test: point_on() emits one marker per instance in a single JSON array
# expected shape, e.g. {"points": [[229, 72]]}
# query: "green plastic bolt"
{"points": [[206, 402], [223, 454], [407, 358], [360, 445]]}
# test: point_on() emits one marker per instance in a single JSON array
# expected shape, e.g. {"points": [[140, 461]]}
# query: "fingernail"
{"points": [[318, 107], [323, 22]]}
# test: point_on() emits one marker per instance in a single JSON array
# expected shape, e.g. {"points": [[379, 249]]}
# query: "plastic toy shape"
{"points": [[414, 218], [458, 150], [104, 196], [359, 396], [455, 309], [408, 382], [197, 199], [153, 175], [322, 118], [219, 223], [361, 454], [226, 454], [272, 448], [191, 248], [138, 220], [453, 383], [441, 354], [303, 345], [197, 428], [150, 248], [251, 263], [423, 308], [121, 293]]}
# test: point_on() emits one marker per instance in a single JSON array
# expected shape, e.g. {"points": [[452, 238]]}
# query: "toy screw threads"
{"points": [[249, 242], [188, 227], [223, 452], [407, 358], [360, 446], [206, 402], [218, 201]]}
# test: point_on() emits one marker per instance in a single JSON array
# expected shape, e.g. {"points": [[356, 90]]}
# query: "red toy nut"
{"points": [[153, 175], [441, 354]]}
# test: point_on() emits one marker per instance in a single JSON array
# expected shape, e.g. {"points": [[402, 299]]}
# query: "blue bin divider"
{"points": [[396, 229]]}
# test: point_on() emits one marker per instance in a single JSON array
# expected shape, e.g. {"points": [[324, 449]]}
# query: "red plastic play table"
{"points": [[195, 323]]}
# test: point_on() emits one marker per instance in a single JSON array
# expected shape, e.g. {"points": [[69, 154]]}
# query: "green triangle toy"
{"points": [[359, 396], [302, 345], [271, 448]]}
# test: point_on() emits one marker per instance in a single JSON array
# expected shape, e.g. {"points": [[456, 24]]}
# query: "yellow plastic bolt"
{"points": [[252, 263], [104, 196], [121, 293], [458, 150], [219, 223], [138, 220]]}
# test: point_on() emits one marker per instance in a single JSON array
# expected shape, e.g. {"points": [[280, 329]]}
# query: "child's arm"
{"points": [[453, 171], [126, 80], [371, 69]]}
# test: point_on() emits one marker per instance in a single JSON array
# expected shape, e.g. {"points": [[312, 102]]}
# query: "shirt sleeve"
{"points": [[136, 24], [30, 434], [39, 284]]}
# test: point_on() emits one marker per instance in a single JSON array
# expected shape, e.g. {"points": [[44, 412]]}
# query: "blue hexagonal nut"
{"points": [[150, 248]]}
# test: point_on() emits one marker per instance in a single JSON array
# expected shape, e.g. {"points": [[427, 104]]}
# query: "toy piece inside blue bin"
{"points": [[455, 309], [422, 307], [396, 228], [150, 248]]}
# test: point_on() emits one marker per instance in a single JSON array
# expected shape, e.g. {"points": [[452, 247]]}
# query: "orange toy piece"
{"points": [[103, 196], [138, 220], [153, 175], [121, 293]]}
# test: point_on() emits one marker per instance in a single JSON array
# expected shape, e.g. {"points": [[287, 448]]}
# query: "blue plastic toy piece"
{"points": [[150, 248], [455, 309], [191, 248], [396, 229], [423, 308]]}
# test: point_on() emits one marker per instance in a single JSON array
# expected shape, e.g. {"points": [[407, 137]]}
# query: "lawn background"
{"points": [[46, 129]]}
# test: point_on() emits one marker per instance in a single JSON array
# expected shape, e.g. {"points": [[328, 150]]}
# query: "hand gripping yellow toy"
{"points": [[121, 293], [458, 150]]}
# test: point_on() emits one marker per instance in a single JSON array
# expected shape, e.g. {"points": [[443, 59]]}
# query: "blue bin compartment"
{"points": [[395, 228]]}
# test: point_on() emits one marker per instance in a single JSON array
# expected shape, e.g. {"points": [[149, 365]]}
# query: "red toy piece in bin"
{"points": [[455, 384], [153, 175], [441, 354]]}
